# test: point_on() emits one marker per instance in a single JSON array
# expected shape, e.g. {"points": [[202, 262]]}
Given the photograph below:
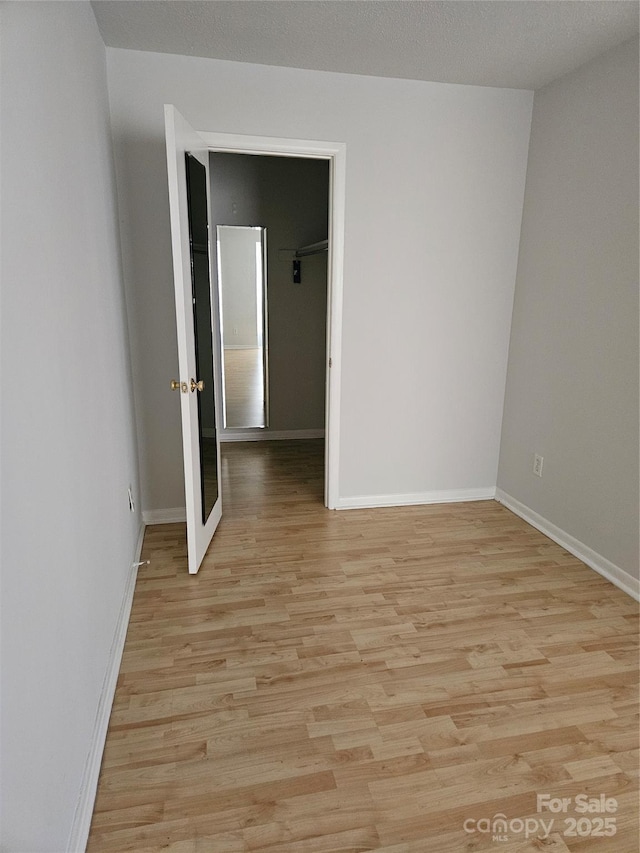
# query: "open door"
{"points": [[188, 177]]}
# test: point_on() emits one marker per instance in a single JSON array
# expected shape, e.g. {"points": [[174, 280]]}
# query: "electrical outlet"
{"points": [[132, 506], [537, 465]]}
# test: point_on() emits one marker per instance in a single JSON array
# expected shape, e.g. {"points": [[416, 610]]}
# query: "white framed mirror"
{"points": [[242, 291]]}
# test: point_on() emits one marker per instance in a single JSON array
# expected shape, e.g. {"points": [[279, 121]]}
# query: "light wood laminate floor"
{"points": [[366, 680]]}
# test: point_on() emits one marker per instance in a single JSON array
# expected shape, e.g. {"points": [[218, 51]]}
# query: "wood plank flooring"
{"points": [[367, 680]]}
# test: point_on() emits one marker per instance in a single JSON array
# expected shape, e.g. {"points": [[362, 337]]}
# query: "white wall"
{"points": [[572, 390], [435, 181], [68, 448]]}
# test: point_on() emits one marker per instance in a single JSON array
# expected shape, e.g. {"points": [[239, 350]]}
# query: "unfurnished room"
{"points": [[320, 426]]}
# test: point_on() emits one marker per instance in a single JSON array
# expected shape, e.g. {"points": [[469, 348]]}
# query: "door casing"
{"points": [[335, 153]]}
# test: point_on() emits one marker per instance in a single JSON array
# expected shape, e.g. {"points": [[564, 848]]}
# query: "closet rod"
{"points": [[312, 249]]}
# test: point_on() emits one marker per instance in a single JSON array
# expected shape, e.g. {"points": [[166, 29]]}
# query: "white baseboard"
{"points": [[173, 515], [270, 435], [86, 800], [417, 498], [622, 579]]}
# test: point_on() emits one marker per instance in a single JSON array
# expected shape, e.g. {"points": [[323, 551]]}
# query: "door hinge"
{"points": [[330, 362]]}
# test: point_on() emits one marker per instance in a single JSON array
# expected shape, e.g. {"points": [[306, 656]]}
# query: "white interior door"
{"points": [[188, 177]]}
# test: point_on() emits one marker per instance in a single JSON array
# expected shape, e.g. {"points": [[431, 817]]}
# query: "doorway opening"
{"points": [[332, 157], [183, 143], [284, 376]]}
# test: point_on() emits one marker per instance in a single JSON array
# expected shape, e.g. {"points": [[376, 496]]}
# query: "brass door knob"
{"points": [[197, 385], [179, 386]]}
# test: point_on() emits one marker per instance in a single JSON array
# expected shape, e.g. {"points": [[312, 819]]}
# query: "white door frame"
{"points": [[335, 153]]}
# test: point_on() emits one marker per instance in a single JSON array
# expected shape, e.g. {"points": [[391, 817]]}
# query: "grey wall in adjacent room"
{"points": [[572, 386], [68, 436], [290, 197]]}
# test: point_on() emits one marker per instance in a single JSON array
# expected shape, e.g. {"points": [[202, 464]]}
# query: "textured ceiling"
{"points": [[512, 43]]}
